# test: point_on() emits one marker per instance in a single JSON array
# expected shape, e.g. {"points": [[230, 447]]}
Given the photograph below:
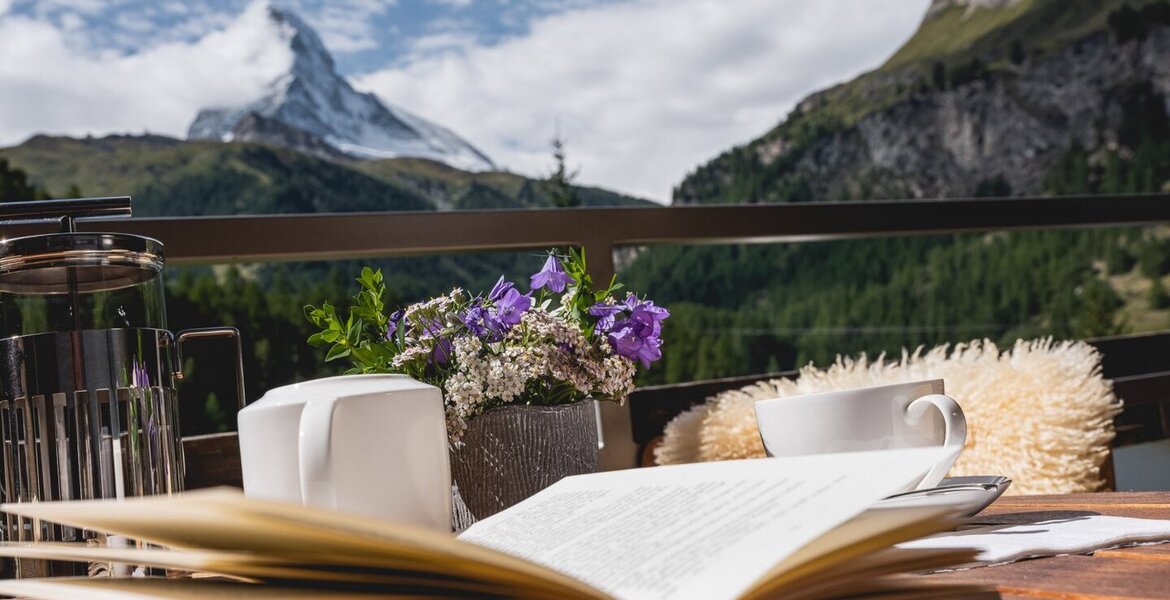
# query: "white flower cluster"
{"points": [[544, 354], [423, 322]]}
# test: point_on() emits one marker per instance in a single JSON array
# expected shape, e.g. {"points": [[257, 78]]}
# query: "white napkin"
{"points": [[1075, 535]]}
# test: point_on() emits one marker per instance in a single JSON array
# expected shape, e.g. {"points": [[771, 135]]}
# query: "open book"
{"points": [[765, 528]]}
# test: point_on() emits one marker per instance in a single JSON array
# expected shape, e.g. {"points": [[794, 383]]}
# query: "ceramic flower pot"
{"points": [[511, 452]]}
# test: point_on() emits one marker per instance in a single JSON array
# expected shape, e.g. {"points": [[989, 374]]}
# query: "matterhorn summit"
{"points": [[314, 109]]}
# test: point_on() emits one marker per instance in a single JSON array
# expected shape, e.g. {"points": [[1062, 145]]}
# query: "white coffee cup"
{"points": [[873, 418]]}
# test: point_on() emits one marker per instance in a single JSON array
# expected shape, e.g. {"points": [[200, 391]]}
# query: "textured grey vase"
{"points": [[512, 452]]}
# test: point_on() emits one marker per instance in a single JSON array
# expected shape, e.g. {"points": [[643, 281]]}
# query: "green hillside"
{"points": [[173, 177], [453, 188], [956, 34]]}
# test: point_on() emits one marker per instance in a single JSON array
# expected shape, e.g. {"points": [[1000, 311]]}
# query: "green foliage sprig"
{"points": [[360, 336]]}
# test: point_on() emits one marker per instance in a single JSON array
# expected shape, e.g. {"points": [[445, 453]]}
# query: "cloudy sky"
{"points": [[643, 90]]}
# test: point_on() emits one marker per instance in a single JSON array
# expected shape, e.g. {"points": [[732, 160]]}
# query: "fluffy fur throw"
{"points": [[1039, 413]]}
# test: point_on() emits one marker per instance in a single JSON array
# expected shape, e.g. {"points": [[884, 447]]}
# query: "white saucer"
{"points": [[970, 494]]}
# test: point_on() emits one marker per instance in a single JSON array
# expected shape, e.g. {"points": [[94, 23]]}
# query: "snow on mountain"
{"points": [[314, 109]]}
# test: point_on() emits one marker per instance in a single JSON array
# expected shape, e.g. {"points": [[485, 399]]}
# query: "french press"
{"points": [[88, 369]]}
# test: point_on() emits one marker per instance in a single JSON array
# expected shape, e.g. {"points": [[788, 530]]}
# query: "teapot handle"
{"points": [[214, 332], [315, 450]]}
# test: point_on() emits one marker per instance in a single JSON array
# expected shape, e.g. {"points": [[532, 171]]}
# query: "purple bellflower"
{"points": [[442, 350], [502, 311], [608, 314], [392, 326], [477, 321], [636, 334], [648, 315], [512, 306], [500, 289], [551, 275]]}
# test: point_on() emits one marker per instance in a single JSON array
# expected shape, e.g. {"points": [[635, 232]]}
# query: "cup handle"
{"points": [[954, 423], [315, 453]]}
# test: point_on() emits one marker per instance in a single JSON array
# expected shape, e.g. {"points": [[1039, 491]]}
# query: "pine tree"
{"points": [[15, 186], [1158, 297], [559, 185], [1016, 53], [1096, 313]]}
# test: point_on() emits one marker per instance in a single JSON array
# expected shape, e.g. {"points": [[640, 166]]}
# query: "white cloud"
{"points": [[435, 43], [4, 6], [52, 87], [344, 25], [645, 90], [71, 21], [453, 3]]}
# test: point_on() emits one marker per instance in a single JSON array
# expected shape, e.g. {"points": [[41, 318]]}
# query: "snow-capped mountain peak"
{"points": [[314, 109]]}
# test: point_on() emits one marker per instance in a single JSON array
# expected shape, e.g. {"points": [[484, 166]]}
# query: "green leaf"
{"points": [[363, 355], [315, 315], [337, 352], [354, 334], [380, 353]]}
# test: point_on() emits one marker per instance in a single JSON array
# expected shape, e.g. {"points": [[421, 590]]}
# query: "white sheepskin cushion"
{"points": [[1040, 413]]}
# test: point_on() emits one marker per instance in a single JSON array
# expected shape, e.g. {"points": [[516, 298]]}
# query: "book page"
{"points": [[289, 535], [703, 531], [323, 569], [149, 588]]}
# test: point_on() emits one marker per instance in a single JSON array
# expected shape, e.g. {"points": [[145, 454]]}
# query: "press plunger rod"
{"points": [[65, 210]]}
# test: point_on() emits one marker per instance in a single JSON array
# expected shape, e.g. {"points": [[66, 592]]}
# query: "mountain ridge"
{"points": [[312, 108]]}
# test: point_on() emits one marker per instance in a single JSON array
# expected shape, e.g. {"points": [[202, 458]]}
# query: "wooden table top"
{"points": [[1140, 572]]}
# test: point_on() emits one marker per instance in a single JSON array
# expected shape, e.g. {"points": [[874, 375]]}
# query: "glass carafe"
{"points": [[88, 375]]}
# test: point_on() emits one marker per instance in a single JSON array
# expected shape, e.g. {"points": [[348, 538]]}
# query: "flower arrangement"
{"points": [[561, 342]]}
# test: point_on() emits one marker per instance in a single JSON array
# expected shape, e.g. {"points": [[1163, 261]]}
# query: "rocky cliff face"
{"points": [[1006, 119]]}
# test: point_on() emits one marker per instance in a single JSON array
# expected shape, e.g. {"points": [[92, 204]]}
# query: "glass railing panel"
{"points": [[748, 309]]}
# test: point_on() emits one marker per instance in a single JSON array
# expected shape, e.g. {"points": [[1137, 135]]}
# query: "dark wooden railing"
{"points": [[248, 238], [602, 230]]}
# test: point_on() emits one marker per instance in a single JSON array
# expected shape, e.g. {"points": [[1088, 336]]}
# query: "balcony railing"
{"points": [[226, 239], [248, 238]]}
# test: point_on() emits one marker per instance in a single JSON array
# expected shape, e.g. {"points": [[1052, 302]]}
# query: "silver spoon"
{"points": [[971, 494]]}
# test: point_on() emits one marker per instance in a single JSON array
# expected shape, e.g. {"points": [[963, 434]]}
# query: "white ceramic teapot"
{"points": [[369, 444]]}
